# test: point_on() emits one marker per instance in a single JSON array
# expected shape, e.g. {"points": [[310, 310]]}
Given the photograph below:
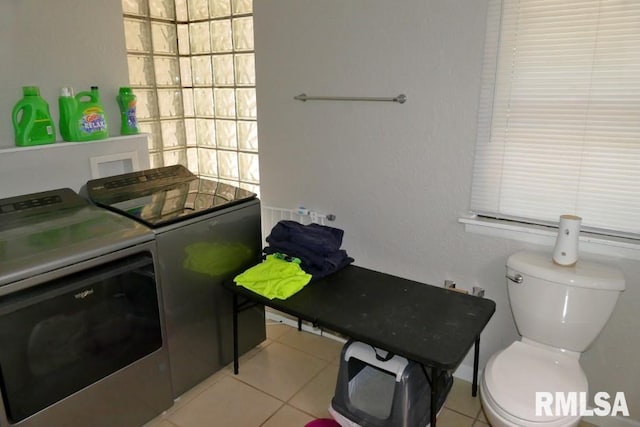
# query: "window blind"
{"points": [[559, 121]]}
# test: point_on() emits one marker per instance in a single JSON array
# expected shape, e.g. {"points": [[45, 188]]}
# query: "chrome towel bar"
{"points": [[400, 99]]}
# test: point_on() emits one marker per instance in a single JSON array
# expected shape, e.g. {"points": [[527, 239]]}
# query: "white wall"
{"points": [[58, 43], [398, 176], [26, 170]]}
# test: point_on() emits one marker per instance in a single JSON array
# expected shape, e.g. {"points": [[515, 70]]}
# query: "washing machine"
{"points": [[206, 233]]}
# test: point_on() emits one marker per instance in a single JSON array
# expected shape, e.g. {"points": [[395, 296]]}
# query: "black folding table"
{"points": [[430, 325]]}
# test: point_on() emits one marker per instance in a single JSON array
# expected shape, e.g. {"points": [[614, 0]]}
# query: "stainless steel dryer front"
{"points": [[81, 336]]}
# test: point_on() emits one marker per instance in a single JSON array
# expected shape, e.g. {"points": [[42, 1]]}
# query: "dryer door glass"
{"points": [[67, 333]]}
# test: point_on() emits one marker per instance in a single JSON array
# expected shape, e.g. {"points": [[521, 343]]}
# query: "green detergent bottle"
{"points": [[32, 121], [82, 117], [127, 103], [67, 106]]}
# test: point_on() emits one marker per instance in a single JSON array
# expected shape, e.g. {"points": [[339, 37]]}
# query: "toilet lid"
{"points": [[514, 375]]}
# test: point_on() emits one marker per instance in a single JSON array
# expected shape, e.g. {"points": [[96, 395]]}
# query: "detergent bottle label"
{"points": [[132, 122], [93, 121]]}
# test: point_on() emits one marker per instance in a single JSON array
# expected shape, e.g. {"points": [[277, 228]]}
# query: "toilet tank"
{"points": [[564, 307]]}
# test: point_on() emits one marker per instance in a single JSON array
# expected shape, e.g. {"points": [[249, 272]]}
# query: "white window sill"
{"points": [[590, 243]]}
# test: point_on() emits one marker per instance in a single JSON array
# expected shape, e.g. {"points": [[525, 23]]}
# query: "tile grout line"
{"points": [[235, 377], [272, 415], [225, 371], [294, 330], [473, 420], [283, 403], [306, 352], [306, 384], [327, 364], [286, 402], [477, 419]]}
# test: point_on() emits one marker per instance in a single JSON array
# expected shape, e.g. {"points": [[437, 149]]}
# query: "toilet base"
{"points": [[499, 418]]}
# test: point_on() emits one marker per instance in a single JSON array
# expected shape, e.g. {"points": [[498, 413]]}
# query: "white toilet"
{"points": [[559, 311]]}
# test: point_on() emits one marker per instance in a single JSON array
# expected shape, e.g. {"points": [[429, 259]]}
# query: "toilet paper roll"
{"points": [[566, 250]]}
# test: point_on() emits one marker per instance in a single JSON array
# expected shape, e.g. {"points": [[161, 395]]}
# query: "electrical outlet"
{"points": [[477, 291]]}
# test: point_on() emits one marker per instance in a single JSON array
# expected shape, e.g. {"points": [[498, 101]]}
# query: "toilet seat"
{"points": [[513, 376]]}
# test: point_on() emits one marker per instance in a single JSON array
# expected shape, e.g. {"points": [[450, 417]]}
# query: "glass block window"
{"points": [[191, 65]]}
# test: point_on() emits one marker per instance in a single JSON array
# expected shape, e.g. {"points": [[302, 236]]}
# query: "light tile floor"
{"points": [[287, 381]]}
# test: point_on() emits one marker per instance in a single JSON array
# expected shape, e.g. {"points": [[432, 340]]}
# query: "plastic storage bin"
{"points": [[376, 390]]}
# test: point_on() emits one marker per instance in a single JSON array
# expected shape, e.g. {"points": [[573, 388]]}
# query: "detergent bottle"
{"points": [[67, 105], [32, 121], [127, 103], [82, 117]]}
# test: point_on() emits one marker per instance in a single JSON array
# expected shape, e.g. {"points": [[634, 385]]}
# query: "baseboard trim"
{"points": [[612, 421]]}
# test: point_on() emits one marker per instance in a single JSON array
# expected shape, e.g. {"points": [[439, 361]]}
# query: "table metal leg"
{"points": [[434, 396], [235, 334], [476, 355], [299, 324]]}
